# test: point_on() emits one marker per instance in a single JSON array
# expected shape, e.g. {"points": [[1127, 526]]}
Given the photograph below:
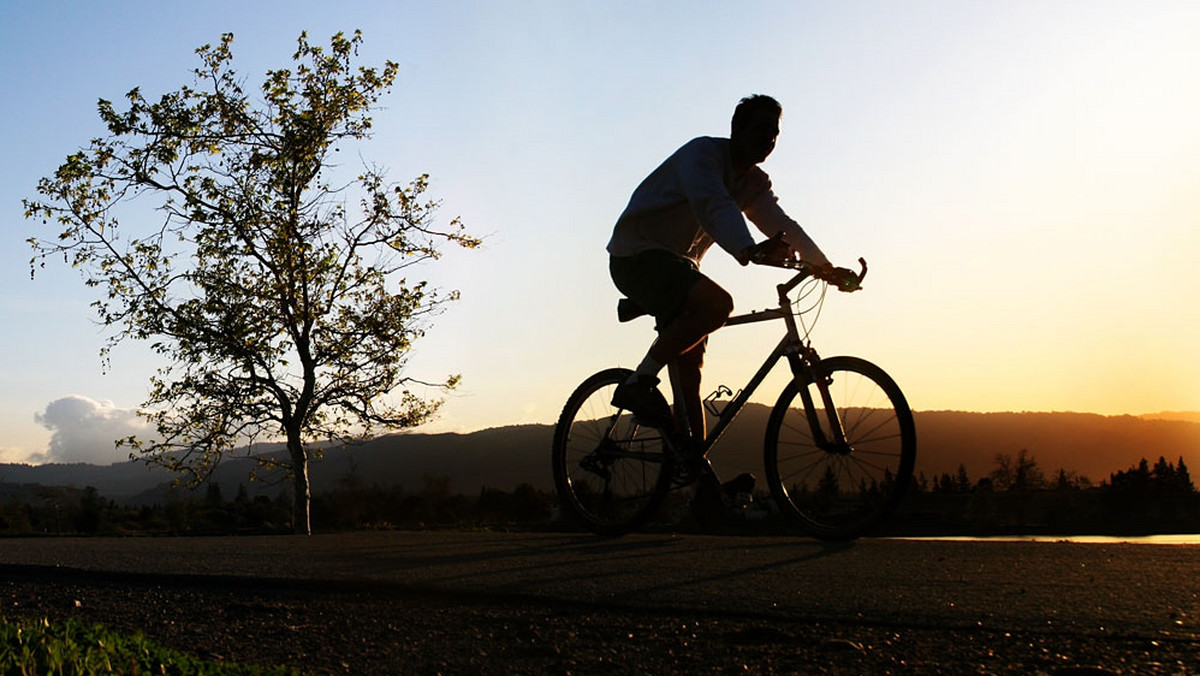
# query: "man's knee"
{"points": [[710, 301]]}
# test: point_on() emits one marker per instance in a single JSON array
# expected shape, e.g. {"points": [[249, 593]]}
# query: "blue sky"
{"points": [[1021, 176]]}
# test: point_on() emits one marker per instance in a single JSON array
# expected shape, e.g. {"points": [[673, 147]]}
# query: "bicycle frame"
{"points": [[800, 356], [614, 472]]}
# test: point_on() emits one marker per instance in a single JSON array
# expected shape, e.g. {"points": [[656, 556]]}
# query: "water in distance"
{"points": [[1178, 539]]}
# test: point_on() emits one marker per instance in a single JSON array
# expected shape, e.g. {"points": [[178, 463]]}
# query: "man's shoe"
{"points": [[640, 396], [739, 490]]}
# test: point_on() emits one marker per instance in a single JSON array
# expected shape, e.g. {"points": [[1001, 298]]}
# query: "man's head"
{"points": [[755, 128]]}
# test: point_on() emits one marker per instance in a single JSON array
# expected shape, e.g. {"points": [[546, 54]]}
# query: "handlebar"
{"points": [[843, 278], [820, 272]]}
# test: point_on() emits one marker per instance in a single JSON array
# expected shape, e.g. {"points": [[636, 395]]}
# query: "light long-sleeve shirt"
{"points": [[696, 198]]}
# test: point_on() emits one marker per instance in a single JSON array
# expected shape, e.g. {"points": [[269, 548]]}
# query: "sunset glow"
{"points": [[1022, 178]]}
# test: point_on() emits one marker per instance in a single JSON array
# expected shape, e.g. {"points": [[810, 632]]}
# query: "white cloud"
{"points": [[85, 430]]}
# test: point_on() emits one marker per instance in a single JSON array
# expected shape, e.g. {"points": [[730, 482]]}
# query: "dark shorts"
{"points": [[658, 280]]}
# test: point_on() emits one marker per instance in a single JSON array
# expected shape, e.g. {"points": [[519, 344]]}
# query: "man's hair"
{"points": [[747, 107]]}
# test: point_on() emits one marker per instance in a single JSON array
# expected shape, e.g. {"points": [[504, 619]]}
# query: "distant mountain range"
{"points": [[1186, 416], [1091, 445]]}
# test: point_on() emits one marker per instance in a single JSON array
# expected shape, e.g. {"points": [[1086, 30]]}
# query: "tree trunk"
{"points": [[301, 492]]}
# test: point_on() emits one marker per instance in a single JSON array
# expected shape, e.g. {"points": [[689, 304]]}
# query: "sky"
{"points": [[1023, 179]]}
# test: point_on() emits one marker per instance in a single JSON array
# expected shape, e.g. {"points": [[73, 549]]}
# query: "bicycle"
{"points": [[839, 448]]}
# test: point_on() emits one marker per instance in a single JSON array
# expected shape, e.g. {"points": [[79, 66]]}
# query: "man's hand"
{"points": [[844, 279], [773, 251]]}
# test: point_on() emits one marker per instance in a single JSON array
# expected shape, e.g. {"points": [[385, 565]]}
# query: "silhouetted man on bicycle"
{"points": [[701, 194]]}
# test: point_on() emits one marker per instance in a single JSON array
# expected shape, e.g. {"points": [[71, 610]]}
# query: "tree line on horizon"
{"points": [[64, 510], [1018, 497], [1023, 473], [1015, 496]]}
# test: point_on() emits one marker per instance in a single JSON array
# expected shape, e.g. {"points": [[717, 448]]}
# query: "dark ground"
{"points": [[488, 603]]}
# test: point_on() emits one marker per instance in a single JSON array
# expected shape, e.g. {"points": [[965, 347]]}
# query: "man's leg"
{"points": [[705, 309], [701, 308], [685, 379]]}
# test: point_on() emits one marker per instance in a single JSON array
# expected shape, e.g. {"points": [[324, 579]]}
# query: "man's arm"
{"points": [[764, 211], [701, 176]]}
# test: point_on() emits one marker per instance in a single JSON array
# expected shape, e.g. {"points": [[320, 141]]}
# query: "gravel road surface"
{"points": [[539, 603]]}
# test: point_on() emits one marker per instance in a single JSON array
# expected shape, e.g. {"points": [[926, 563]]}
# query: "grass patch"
{"points": [[73, 648]]}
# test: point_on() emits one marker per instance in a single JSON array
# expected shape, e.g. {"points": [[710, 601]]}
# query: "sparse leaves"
{"points": [[281, 311]]}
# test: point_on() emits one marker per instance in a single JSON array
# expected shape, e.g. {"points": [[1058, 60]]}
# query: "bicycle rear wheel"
{"points": [[611, 473], [840, 490]]}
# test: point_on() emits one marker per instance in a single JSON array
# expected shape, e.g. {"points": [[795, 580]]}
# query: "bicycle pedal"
{"points": [[592, 464]]}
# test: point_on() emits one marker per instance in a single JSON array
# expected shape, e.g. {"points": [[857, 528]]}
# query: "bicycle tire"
{"points": [[610, 472], [841, 492]]}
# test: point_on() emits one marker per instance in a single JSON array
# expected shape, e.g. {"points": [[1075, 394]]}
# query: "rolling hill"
{"points": [[1091, 445]]}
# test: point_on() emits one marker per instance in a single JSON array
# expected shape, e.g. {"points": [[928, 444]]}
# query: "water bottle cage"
{"points": [[715, 407]]}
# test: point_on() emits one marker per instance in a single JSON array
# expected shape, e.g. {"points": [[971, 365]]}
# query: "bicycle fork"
{"points": [[805, 373]]}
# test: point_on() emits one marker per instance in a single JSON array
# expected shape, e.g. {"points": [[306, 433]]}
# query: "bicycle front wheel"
{"points": [[839, 485], [611, 473]]}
